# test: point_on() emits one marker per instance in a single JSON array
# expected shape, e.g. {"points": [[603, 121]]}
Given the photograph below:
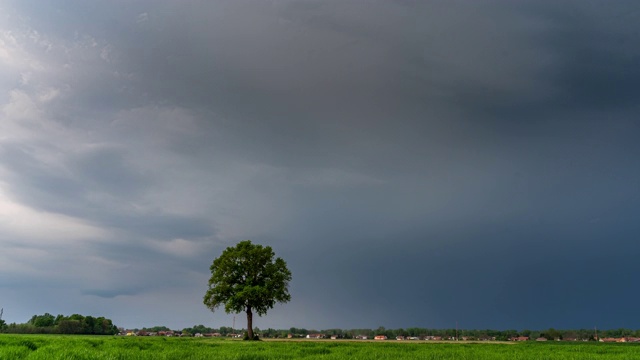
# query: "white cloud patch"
{"points": [[177, 247], [27, 226], [106, 53], [143, 17]]}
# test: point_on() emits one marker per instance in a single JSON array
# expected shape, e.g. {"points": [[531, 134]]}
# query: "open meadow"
{"points": [[59, 347]]}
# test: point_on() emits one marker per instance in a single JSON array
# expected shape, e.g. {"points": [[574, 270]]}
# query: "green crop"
{"points": [[78, 347]]}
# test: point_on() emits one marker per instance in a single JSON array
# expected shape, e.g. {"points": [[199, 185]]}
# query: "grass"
{"points": [[59, 347]]}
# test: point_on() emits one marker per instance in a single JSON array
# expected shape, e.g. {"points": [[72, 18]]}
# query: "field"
{"points": [[53, 347]]}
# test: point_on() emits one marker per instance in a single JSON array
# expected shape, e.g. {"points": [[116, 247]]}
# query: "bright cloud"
{"points": [[26, 226]]}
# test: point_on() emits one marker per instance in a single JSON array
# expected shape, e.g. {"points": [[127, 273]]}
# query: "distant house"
{"points": [[198, 335], [620, 339], [520, 338], [315, 336], [380, 337], [399, 337], [487, 338], [362, 337], [334, 337], [541, 339], [608, 340], [289, 336]]}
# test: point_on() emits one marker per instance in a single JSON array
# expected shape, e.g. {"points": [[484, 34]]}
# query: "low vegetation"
{"points": [[58, 347]]}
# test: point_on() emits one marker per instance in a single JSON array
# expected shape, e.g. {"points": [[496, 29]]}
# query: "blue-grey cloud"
{"points": [[110, 293], [416, 164]]}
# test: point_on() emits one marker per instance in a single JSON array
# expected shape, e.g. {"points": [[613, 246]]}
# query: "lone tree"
{"points": [[247, 278]]}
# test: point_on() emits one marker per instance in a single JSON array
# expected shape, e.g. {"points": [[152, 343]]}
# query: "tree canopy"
{"points": [[74, 324], [247, 277]]}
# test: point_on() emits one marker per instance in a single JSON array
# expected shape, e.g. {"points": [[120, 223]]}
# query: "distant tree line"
{"points": [[201, 329], [155, 329], [74, 324], [474, 334], [79, 324]]}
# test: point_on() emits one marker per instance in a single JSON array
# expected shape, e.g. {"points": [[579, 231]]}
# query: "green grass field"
{"points": [[53, 347]]}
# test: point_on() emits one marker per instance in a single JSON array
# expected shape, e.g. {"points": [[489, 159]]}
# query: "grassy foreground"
{"points": [[54, 347]]}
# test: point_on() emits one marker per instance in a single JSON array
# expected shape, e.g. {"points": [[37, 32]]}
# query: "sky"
{"points": [[415, 163]]}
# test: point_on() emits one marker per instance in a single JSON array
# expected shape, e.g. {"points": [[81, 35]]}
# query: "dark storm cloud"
{"points": [[597, 67], [111, 293], [466, 160], [275, 90], [105, 170], [585, 61]]}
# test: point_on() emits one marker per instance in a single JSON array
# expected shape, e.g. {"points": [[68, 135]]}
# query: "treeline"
{"points": [[451, 334], [201, 329], [74, 324], [189, 331], [196, 329], [422, 333]]}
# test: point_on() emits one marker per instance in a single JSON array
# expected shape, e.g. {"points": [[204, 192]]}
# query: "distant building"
{"points": [[608, 340]]}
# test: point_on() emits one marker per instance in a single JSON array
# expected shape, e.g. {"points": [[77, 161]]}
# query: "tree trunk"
{"points": [[249, 323]]}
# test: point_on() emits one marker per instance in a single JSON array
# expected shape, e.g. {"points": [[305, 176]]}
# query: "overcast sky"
{"points": [[416, 163]]}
